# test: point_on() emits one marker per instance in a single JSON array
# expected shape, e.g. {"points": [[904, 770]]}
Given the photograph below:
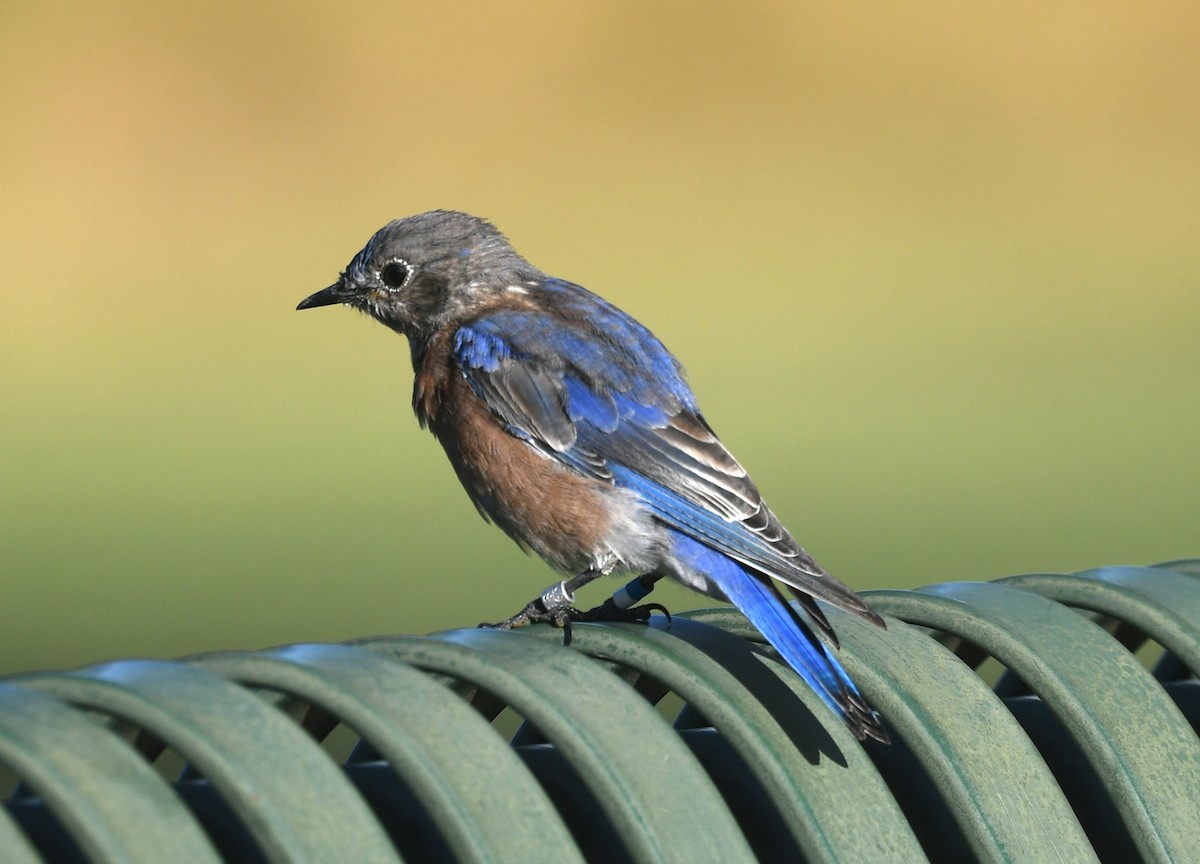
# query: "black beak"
{"points": [[325, 297]]}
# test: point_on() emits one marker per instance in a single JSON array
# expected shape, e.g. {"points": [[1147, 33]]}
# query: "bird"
{"points": [[574, 430]]}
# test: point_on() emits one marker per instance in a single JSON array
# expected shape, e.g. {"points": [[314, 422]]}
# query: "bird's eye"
{"points": [[394, 274]]}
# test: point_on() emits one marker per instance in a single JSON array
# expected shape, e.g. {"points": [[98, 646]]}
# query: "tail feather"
{"points": [[782, 625]]}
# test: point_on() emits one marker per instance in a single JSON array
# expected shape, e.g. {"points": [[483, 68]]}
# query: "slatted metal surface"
{"points": [[680, 741]]}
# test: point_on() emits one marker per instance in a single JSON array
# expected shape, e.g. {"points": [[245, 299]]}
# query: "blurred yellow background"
{"points": [[933, 267]]}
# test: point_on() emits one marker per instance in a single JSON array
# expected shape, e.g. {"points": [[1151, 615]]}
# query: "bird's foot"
{"points": [[556, 606], [610, 611], [553, 607]]}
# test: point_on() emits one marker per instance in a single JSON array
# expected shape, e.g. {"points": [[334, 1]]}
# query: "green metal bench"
{"points": [[680, 741]]}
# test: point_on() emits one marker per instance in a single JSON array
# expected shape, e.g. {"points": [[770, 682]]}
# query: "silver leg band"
{"points": [[557, 596]]}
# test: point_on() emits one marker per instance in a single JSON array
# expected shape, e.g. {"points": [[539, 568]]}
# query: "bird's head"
{"points": [[419, 274]]}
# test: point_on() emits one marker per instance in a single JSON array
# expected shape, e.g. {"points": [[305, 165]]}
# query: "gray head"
{"points": [[418, 274]]}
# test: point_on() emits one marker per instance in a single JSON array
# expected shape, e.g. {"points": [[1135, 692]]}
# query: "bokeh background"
{"points": [[933, 268]]}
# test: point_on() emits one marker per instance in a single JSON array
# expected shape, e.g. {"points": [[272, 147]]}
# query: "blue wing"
{"points": [[593, 388]]}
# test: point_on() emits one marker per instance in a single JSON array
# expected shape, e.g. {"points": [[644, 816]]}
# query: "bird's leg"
{"points": [[554, 606], [620, 606]]}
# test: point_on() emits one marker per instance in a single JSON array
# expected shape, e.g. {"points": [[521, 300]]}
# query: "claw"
{"points": [[533, 613], [555, 607], [610, 611]]}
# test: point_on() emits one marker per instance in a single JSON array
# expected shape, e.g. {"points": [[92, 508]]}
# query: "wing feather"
{"points": [[619, 420]]}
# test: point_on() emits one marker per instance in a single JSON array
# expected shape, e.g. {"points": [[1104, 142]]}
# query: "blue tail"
{"points": [[781, 624]]}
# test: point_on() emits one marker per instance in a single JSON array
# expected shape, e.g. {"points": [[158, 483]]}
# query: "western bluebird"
{"points": [[572, 428]]}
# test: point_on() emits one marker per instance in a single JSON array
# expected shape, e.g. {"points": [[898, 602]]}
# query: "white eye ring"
{"points": [[395, 274]]}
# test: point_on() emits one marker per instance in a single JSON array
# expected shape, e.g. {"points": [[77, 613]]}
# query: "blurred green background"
{"points": [[933, 268]]}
